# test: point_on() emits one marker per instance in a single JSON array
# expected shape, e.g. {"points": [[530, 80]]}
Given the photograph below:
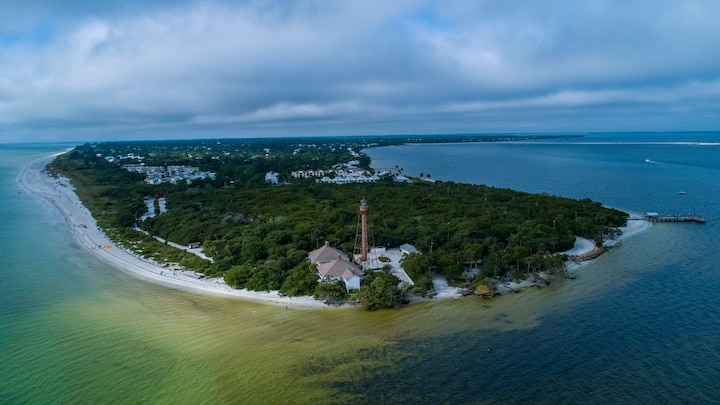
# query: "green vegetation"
{"points": [[380, 290], [330, 290], [259, 234]]}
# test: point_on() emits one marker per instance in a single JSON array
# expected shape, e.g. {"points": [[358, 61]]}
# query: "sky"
{"points": [[82, 70]]}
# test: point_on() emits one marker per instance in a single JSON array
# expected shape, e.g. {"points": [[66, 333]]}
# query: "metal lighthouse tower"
{"points": [[363, 211]]}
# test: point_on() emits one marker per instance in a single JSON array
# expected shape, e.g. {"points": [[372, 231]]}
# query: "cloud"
{"points": [[240, 68]]}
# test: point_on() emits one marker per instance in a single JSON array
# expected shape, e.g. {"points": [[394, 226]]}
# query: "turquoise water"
{"points": [[639, 325]]}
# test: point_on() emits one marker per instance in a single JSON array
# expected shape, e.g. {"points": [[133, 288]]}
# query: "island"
{"points": [[246, 217]]}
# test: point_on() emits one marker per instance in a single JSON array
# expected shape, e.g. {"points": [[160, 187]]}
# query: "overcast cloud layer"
{"points": [[167, 69]]}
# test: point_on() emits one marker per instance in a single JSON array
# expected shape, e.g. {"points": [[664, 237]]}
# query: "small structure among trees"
{"points": [[348, 271], [334, 264]]}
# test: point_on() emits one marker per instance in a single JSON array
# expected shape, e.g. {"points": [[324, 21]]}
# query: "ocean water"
{"points": [[639, 325]]}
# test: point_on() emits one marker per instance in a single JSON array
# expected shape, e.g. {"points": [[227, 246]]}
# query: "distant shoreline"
{"points": [[61, 194]]}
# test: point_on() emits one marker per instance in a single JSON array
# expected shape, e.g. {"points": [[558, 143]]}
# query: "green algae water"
{"points": [[75, 330], [638, 325]]}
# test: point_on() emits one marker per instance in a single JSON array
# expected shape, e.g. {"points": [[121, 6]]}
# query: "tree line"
{"points": [[259, 235]]}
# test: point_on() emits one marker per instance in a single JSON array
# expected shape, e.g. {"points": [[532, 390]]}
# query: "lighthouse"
{"points": [[364, 211]]}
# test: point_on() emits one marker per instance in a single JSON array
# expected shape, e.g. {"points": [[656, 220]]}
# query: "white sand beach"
{"points": [[61, 194], [584, 246]]}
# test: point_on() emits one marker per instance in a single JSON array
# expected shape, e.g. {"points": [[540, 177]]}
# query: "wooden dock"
{"points": [[655, 217]]}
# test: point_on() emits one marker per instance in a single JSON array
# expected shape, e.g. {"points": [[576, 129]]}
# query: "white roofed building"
{"points": [[407, 248], [271, 177]]}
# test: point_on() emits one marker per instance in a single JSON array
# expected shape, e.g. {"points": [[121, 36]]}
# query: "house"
{"points": [[333, 263], [326, 253], [306, 174], [407, 248], [344, 270], [271, 177]]}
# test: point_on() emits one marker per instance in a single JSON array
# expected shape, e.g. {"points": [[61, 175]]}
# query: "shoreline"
{"points": [[61, 194], [582, 247]]}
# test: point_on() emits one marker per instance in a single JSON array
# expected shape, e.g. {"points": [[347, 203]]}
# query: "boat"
{"points": [[681, 192], [648, 160]]}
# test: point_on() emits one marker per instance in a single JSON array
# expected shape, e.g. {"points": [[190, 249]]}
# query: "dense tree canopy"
{"points": [[259, 235]]}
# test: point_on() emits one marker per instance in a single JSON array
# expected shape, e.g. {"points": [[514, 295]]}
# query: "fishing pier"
{"points": [[655, 217]]}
